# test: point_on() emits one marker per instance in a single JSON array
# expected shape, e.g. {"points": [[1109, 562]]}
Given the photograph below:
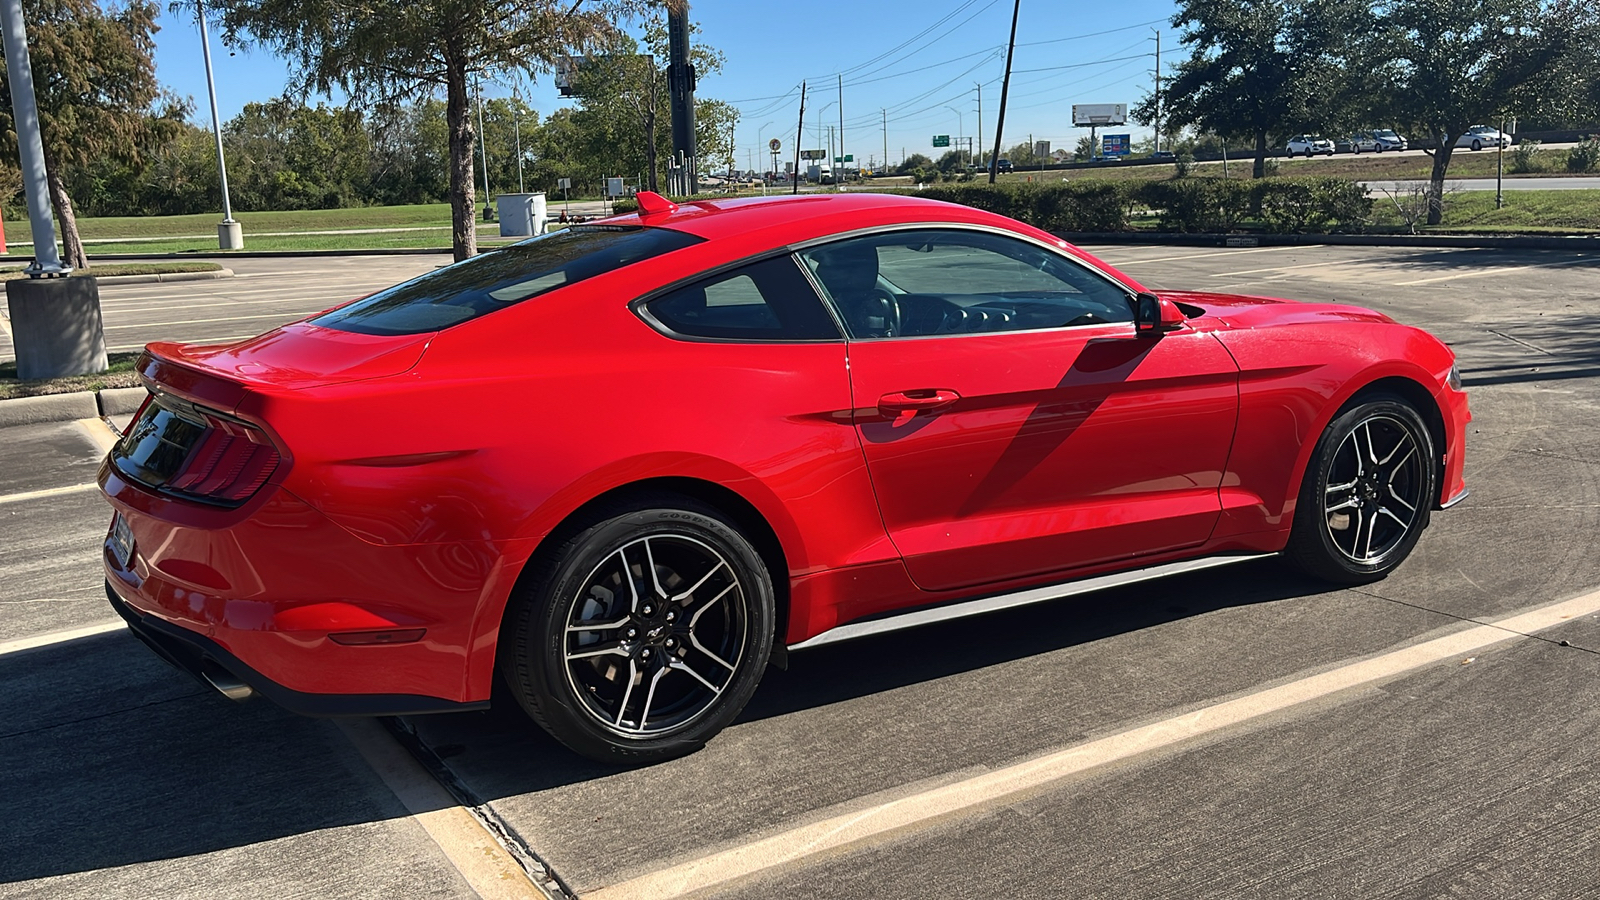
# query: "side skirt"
{"points": [[964, 608]]}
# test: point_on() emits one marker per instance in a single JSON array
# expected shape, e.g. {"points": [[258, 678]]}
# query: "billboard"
{"points": [[1115, 144], [813, 154], [1087, 114]]}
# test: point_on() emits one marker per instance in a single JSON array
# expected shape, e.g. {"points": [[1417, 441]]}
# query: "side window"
{"points": [[927, 282], [764, 301]]}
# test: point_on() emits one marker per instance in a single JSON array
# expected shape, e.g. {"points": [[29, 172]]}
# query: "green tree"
{"points": [[389, 50], [289, 156], [1453, 64], [1263, 70], [624, 121], [100, 100], [912, 163], [1088, 148]]}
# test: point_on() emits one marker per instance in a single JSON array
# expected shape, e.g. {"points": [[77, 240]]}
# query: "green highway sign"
{"points": [[941, 140], [848, 157]]}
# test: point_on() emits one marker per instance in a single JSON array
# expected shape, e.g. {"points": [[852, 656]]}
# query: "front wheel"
{"points": [[1477, 145], [643, 635], [1367, 493]]}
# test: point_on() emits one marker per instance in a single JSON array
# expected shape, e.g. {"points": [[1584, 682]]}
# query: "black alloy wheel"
{"points": [[1367, 493], [644, 634]]}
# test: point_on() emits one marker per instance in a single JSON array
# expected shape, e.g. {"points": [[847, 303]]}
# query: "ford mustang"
{"points": [[627, 465]]}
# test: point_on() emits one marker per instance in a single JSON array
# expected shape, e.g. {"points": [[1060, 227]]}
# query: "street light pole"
{"points": [[961, 129], [230, 234], [55, 322]]}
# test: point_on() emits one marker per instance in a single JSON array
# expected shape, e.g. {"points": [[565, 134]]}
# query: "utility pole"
{"points": [[680, 82], [980, 122], [1158, 88], [799, 134], [1005, 87], [838, 179], [885, 138]]}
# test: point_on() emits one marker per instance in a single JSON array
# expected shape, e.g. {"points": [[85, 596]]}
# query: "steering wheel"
{"points": [[874, 304]]}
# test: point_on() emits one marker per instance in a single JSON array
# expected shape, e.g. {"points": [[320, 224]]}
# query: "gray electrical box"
{"points": [[521, 215]]}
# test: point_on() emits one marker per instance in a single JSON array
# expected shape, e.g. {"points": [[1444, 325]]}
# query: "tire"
{"points": [[1477, 145], [644, 634], [1345, 496]]}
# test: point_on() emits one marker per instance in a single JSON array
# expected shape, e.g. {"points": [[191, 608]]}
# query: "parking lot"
{"points": [[1226, 733]]}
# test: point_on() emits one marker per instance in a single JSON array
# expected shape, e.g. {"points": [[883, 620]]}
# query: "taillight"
{"points": [[230, 462], [179, 448]]}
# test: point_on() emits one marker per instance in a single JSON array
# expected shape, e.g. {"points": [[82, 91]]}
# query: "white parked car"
{"points": [[1386, 139], [1309, 145], [1481, 136]]}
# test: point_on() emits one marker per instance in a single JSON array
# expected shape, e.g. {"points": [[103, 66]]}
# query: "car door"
{"points": [[1013, 422]]}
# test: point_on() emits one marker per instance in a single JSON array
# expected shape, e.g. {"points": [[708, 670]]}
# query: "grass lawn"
{"points": [[1524, 211], [434, 240], [120, 374], [7, 273], [427, 215]]}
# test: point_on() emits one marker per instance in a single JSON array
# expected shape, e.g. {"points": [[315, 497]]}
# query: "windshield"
{"points": [[501, 278]]}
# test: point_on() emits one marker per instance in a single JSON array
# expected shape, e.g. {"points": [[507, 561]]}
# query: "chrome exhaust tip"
{"points": [[228, 686]]}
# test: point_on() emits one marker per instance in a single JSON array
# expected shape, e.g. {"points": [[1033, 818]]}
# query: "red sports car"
{"points": [[629, 464]]}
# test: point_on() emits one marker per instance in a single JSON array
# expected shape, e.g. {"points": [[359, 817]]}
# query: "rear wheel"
{"points": [[1367, 493], [643, 635], [1477, 145]]}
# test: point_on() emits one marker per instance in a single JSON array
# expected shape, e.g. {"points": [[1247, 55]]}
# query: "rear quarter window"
{"points": [[502, 278]]}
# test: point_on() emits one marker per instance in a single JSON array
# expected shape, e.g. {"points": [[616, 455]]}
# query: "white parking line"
{"points": [[1013, 782], [488, 867], [1478, 273], [25, 496], [282, 317], [1315, 265], [1134, 262], [59, 637]]}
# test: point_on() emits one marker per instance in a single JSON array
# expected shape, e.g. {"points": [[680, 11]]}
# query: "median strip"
{"points": [[893, 819]]}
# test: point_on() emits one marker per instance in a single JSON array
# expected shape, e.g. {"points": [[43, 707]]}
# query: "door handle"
{"points": [[926, 400]]}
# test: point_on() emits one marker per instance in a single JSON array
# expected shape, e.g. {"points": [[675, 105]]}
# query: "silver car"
{"points": [[1481, 136]]}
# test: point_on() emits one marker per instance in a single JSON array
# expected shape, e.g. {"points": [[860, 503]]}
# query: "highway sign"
{"points": [[941, 140], [848, 157]]}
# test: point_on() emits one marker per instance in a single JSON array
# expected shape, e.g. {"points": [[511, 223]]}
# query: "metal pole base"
{"points": [[230, 235], [55, 325]]}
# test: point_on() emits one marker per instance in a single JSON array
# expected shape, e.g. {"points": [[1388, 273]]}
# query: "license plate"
{"points": [[121, 541]]}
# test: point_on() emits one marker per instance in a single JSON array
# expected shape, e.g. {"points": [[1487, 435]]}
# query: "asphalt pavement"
{"points": [[1235, 732]]}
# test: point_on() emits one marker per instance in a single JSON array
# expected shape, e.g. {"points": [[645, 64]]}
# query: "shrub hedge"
{"points": [[1205, 205]]}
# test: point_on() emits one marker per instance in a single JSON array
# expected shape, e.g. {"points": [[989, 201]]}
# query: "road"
{"points": [[1240, 732]]}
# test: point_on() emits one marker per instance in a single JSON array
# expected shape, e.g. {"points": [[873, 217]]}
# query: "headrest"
{"points": [[848, 269]]}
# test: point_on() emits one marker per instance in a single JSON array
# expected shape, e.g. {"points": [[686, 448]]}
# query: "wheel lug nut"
{"points": [[672, 642], [671, 616], [648, 610], [631, 633], [645, 654]]}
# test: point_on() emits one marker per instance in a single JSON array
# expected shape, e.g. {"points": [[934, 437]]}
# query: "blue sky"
{"points": [[922, 62]]}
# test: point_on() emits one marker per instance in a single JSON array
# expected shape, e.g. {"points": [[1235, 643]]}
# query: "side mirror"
{"points": [[1152, 315]]}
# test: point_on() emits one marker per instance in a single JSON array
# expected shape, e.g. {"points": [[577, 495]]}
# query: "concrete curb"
{"points": [[70, 407], [49, 408], [162, 277], [1505, 242]]}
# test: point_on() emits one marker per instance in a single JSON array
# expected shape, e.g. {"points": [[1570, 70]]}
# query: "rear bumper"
{"points": [[205, 659], [273, 591]]}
